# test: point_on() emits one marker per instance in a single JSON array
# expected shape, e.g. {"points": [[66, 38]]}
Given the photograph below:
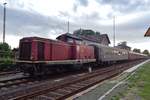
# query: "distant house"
{"points": [[147, 32], [123, 45], [89, 36], [15, 53]]}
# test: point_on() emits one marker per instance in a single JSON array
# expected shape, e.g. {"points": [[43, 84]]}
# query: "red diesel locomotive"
{"points": [[38, 56]]}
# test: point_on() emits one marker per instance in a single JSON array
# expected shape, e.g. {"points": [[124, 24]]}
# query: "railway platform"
{"points": [[108, 88]]}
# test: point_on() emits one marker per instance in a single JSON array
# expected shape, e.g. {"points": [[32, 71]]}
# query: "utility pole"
{"points": [[114, 30], [68, 25], [87, 21], [4, 20]]}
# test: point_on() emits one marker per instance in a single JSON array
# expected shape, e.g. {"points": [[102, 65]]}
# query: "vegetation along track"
{"points": [[68, 87]]}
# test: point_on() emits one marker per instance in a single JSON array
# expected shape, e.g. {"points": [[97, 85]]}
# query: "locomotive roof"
{"points": [[29, 39], [37, 39], [138, 53], [105, 46]]}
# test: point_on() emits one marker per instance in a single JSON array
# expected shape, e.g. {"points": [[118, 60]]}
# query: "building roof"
{"points": [[69, 35], [95, 38], [15, 49], [90, 35], [148, 32], [103, 36]]}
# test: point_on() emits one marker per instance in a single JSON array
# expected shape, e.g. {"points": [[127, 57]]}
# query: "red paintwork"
{"points": [[47, 51], [83, 52], [131, 56], [60, 51], [134, 56]]}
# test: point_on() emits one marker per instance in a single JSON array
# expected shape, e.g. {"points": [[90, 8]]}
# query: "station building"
{"points": [[123, 45], [147, 34], [85, 38]]}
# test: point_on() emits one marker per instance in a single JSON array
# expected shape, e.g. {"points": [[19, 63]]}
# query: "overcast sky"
{"points": [[48, 18]]}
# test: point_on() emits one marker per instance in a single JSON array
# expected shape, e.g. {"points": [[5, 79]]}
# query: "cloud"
{"points": [[127, 6], [83, 2], [25, 23], [80, 3], [26, 18], [134, 29]]}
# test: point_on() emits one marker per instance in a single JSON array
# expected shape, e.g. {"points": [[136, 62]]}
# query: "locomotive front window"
{"points": [[25, 50]]}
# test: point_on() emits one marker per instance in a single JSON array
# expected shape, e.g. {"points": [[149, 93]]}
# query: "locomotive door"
{"points": [[96, 53], [73, 52], [40, 51]]}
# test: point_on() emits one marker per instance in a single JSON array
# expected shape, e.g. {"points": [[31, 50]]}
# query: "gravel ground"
{"points": [[11, 76]]}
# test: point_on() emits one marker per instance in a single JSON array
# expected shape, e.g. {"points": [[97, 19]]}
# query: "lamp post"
{"points": [[114, 30], [4, 20]]}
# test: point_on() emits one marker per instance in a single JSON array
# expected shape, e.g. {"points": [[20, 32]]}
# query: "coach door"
{"points": [[40, 51], [96, 53]]}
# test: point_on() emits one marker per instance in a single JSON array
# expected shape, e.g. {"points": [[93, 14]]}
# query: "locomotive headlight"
{"points": [[31, 57]]}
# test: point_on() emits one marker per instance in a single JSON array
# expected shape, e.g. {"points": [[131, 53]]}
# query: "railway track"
{"points": [[9, 72], [15, 81], [67, 87], [67, 90]]}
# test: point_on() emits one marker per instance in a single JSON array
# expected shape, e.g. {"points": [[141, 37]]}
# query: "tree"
{"points": [[5, 50], [98, 33], [85, 32], [136, 50], [124, 43], [146, 52]]}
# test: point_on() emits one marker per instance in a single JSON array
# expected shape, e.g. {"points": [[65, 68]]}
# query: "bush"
{"points": [[5, 56], [5, 63]]}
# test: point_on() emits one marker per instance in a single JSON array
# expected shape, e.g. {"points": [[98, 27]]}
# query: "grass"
{"points": [[138, 85], [141, 82], [5, 63], [115, 98]]}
